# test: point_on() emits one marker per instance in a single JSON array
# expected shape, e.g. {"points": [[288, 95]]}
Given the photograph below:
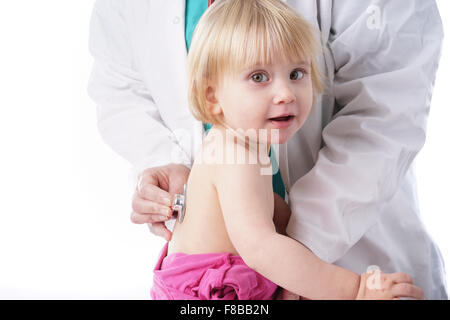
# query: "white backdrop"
{"points": [[65, 231]]}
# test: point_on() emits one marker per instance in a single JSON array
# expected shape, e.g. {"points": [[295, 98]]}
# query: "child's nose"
{"points": [[284, 93]]}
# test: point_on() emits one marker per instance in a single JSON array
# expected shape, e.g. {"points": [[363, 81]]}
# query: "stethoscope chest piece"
{"points": [[180, 204]]}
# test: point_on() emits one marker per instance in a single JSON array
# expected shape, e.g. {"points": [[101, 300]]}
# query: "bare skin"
{"points": [[222, 231]]}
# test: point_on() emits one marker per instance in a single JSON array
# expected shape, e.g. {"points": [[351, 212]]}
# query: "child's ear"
{"points": [[212, 102]]}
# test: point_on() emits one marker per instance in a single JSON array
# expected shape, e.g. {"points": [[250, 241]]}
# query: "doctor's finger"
{"points": [[143, 206], [160, 229], [150, 176], [154, 193], [146, 218], [407, 290]]}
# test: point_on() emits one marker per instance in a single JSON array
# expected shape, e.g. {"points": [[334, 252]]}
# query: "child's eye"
{"points": [[258, 77], [297, 74]]}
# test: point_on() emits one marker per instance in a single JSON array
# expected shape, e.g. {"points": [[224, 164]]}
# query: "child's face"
{"points": [[251, 99]]}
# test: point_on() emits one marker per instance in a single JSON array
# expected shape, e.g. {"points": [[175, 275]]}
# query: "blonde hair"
{"points": [[236, 34]]}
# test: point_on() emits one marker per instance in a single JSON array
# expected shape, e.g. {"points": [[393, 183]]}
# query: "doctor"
{"points": [[348, 172]]}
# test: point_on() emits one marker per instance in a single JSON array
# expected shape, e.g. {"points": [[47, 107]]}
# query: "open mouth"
{"points": [[286, 118], [282, 122]]}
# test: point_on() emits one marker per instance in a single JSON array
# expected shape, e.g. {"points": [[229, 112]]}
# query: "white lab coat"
{"points": [[348, 171]]}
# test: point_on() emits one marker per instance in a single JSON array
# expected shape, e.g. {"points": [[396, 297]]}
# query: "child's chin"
{"points": [[282, 138]]}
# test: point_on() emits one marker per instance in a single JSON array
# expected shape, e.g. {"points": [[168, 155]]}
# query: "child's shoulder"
{"points": [[216, 170], [223, 156], [226, 156], [225, 147]]}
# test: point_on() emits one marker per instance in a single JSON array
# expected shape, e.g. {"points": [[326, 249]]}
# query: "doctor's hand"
{"points": [[154, 195], [377, 285]]}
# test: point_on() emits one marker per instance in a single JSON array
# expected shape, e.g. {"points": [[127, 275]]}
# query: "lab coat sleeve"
{"points": [[128, 118], [386, 55]]}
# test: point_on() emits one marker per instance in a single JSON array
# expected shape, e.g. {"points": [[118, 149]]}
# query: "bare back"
{"points": [[203, 229]]}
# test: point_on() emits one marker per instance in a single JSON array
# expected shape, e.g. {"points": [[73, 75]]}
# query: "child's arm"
{"points": [[245, 199], [281, 215]]}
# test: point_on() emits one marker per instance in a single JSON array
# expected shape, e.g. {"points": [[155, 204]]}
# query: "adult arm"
{"points": [[385, 56], [128, 118]]}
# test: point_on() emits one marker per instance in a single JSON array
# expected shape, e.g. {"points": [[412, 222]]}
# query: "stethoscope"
{"points": [[179, 205]]}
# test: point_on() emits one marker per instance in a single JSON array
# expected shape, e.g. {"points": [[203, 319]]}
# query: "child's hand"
{"points": [[377, 285]]}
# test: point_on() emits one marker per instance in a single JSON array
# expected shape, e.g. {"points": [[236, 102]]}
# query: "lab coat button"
{"points": [[176, 20]]}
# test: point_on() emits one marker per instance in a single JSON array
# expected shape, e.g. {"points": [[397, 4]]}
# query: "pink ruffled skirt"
{"points": [[207, 276]]}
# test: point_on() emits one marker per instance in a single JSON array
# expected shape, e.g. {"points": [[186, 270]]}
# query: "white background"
{"points": [[65, 197]]}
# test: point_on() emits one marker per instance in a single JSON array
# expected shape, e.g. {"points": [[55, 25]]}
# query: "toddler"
{"points": [[252, 74]]}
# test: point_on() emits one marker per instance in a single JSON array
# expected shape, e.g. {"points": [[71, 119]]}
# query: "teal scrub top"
{"points": [[194, 11]]}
